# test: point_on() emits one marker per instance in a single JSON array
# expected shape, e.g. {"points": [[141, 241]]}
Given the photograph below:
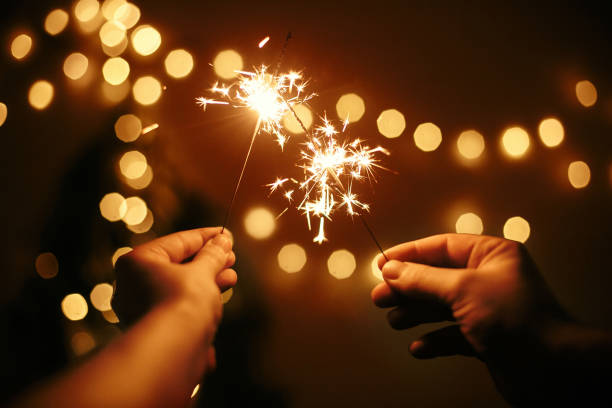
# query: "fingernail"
{"points": [[391, 270], [223, 242]]}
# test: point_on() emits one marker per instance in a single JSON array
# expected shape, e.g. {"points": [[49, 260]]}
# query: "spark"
{"points": [[150, 128], [264, 42]]}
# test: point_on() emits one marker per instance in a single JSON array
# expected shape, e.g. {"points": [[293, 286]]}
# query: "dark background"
{"points": [[307, 339]]}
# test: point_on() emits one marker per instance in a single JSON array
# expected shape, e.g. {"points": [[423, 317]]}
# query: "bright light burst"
{"points": [[270, 95], [330, 169]]}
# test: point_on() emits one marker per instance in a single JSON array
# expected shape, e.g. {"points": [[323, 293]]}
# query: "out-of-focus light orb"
{"points": [[579, 174], [147, 90], [586, 93], [469, 223], [113, 207], [112, 33], [128, 128], [115, 70], [110, 7], [136, 211], [142, 181], [144, 226], [21, 46], [82, 343], [40, 94], [75, 65], [74, 306], [375, 269], [127, 14], [115, 93], [259, 223], [227, 295], [178, 63], [116, 50], [341, 264], [391, 123], [86, 10], [517, 229], [110, 316], [118, 253], [46, 265], [101, 295], [291, 123], [291, 258], [427, 137], [470, 144], [145, 40], [515, 141], [350, 106], [56, 21], [551, 132], [195, 390], [226, 64], [3, 113], [133, 164]]}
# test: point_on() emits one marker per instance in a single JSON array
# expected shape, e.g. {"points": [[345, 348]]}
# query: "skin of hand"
{"points": [[503, 311]]}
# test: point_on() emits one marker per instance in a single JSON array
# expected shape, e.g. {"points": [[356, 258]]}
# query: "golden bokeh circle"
{"points": [[551, 132], [350, 106], [291, 258], [579, 174], [56, 21], [427, 137], [74, 306], [75, 65], [470, 144], [178, 63], [341, 264], [226, 63], [147, 90], [586, 93], [515, 141], [391, 123], [469, 223], [517, 229], [259, 223], [21, 46], [40, 94]]}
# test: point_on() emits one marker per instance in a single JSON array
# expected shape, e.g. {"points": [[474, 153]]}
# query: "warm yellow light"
{"points": [[142, 181], [118, 253], [144, 226], [178, 63], [74, 306], [86, 10], [147, 90], [56, 21], [291, 123], [517, 229], [551, 132], [100, 296], [586, 93], [515, 141], [470, 144], [113, 207], [375, 269], [227, 295], [75, 65], [341, 264], [41, 94], [226, 64], [579, 174], [3, 113], [136, 211], [110, 7], [110, 316], [427, 137], [350, 106], [46, 265], [21, 46], [291, 258], [115, 50], [82, 343], [128, 128], [115, 70], [391, 123], [127, 14], [115, 93], [469, 223], [259, 223], [195, 390], [112, 33], [145, 40]]}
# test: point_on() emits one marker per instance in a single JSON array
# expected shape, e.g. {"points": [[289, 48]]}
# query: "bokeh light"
{"points": [[82, 342], [144, 226], [115, 70], [586, 93], [110, 316], [3, 113], [391, 123], [75, 65], [86, 10], [40, 94], [515, 141], [56, 21], [101, 295], [115, 93], [376, 272], [116, 50], [178, 63], [517, 229], [118, 253], [113, 207], [579, 174], [74, 306], [127, 14], [350, 106], [110, 7], [112, 33], [145, 40], [469, 223], [21, 46], [291, 258], [133, 164], [427, 137], [470, 144], [142, 181], [551, 132], [147, 90], [128, 128], [46, 265], [195, 390], [226, 64], [291, 123], [341, 264], [227, 295], [136, 211], [259, 223]]}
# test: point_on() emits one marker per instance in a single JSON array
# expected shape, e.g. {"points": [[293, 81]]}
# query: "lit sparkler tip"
{"points": [[264, 42]]}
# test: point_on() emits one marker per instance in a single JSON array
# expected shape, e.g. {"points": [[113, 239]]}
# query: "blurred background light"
{"points": [[259, 223], [376, 272], [56, 21], [391, 123], [341, 264], [145, 225], [40, 94], [291, 258], [427, 137], [178, 63], [128, 128], [82, 342], [110, 7], [586, 93], [115, 50], [115, 70], [115, 93], [127, 14], [292, 124], [86, 10], [143, 181], [579, 174], [110, 316], [227, 295], [46, 265], [517, 229], [515, 141], [226, 63], [21, 46], [74, 306], [133, 164], [147, 90], [195, 390], [469, 223], [145, 40], [118, 253], [113, 207], [350, 106], [551, 132], [3, 113], [470, 144], [75, 65], [112, 33], [136, 211], [101, 295]]}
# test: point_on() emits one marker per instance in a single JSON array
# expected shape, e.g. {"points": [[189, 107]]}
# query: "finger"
{"points": [[211, 363], [417, 280], [415, 312], [383, 296], [231, 260], [226, 279], [214, 255], [447, 341]]}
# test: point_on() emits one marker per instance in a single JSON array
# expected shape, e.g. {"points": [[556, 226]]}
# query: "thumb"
{"points": [[213, 255]]}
